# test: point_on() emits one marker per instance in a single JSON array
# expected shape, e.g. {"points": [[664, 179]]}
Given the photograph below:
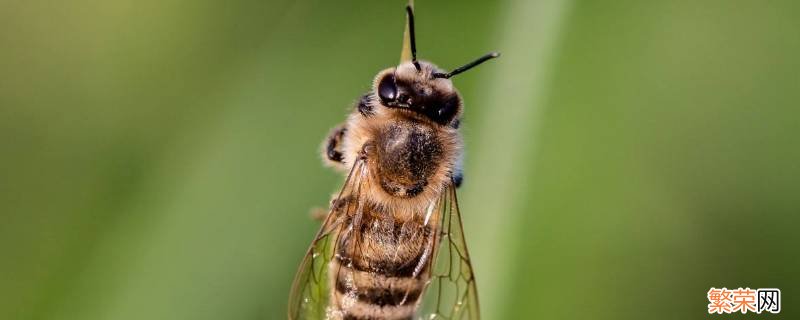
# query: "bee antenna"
{"points": [[410, 13], [467, 66]]}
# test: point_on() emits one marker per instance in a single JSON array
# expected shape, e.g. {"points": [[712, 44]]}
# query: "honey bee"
{"points": [[392, 244]]}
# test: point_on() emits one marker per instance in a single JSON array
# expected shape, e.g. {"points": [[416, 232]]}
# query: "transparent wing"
{"points": [[451, 292], [309, 297]]}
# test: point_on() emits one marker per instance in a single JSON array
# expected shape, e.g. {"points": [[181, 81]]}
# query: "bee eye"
{"points": [[387, 90], [446, 111]]}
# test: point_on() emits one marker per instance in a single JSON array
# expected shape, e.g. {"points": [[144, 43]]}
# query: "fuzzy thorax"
{"points": [[409, 160]]}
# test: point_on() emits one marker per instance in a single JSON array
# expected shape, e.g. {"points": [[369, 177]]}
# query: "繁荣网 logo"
{"points": [[744, 300]]}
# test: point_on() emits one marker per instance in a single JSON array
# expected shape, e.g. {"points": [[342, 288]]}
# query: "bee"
{"points": [[392, 244]]}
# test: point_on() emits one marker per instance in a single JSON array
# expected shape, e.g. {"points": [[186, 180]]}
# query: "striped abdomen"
{"points": [[381, 266]]}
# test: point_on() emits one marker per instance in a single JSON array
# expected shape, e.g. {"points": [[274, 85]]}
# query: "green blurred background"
{"points": [[158, 159]]}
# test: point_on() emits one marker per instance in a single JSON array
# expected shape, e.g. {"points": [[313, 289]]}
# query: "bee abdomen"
{"points": [[376, 289], [384, 266], [380, 271], [352, 317], [365, 295], [382, 296], [388, 249]]}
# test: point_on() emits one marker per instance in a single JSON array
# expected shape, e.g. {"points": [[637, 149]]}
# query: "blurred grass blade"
{"points": [[504, 150]]}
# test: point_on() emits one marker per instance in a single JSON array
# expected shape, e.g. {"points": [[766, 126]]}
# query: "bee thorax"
{"points": [[407, 155]]}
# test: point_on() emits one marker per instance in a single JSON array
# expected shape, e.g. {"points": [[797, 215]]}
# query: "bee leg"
{"points": [[318, 213], [364, 106], [336, 205], [332, 147], [458, 178], [457, 174]]}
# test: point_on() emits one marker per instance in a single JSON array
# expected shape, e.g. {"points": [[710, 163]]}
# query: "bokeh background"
{"points": [[158, 159]]}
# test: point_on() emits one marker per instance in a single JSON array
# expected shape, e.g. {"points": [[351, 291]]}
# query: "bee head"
{"points": [[420, 86], [404, 87]]}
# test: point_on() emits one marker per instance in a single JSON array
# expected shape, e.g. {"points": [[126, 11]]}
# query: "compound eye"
{"points": [[447, 111], [387, 90]]}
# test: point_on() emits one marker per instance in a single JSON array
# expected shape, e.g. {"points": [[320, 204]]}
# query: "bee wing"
{"points": [[451, 292], [310, 290]]}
